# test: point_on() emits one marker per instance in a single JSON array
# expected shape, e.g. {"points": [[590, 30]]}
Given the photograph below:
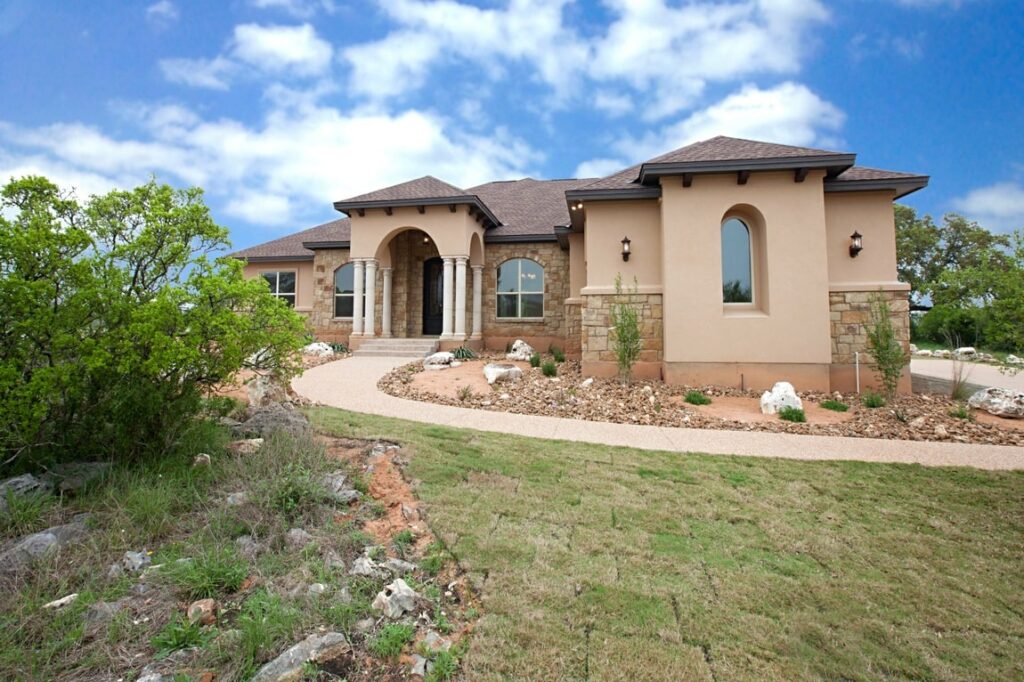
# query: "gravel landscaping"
{"points": [[569, 395]]}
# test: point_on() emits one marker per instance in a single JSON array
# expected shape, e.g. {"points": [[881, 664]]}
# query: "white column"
{"points": [[371, 298], [478, 301], [386, 312], [357, 298], [460, 298], [446, 309]]}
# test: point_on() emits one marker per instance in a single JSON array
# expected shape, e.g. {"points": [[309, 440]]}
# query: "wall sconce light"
{"points": [[625, 248], [856, 244]]}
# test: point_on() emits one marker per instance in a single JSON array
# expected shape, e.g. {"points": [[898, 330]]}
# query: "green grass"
{"points": [[180, 634], [558, 354], [211, 572], [611, 563], [535, 360], [697, 398], [792, 414], [392, 639], [549, 369], [835, 405]]}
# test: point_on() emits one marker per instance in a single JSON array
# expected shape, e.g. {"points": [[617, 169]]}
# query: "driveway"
{"points": [[351, 384], [976, 374]]}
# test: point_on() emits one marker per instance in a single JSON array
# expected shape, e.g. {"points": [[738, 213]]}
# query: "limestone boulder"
{"points": [[782, 395], [1001, 402], [965, 353], [520, 351], [24, 551], [1012, 359], [497, 372], [396, 599], [264, 390], [923, 353], [440, 360], [275, 417], [318, 349], [290, 665], [25, 485]]}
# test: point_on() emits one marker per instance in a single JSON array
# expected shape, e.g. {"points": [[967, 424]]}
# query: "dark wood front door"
{"points": [[433, 296]]}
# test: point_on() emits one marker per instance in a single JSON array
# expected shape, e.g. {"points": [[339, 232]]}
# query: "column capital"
{"points": [[476, 267]]}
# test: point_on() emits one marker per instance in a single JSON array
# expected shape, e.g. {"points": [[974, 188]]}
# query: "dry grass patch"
{"points": [[608, 563]]}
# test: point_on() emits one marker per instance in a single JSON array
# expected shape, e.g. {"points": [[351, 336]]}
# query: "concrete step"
{"points": [[388, 354], [397, 348]]}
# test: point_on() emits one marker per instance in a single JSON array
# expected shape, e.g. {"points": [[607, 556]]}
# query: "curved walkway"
{"points": [[351, 384]]}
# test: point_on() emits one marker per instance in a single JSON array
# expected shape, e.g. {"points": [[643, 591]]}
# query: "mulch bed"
{"points": [[914, 417]]}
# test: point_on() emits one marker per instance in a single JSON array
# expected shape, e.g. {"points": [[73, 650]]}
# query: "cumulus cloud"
{"points": [[302, 9], [289, 167], [273, 49], [162, 14], [998, 207]]}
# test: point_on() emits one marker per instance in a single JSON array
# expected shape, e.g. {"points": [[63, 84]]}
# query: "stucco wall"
{"points": [[699, 328], [303, 279], [607, 223], [451, 232], [871, 214]]}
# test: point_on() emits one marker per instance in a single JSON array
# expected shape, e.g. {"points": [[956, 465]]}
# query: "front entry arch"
{"points": [[433, 296]]}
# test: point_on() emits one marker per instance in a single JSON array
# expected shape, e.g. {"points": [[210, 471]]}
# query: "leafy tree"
{"points": [[888, 353], [116, 316], [625, 330], [925, 251]]}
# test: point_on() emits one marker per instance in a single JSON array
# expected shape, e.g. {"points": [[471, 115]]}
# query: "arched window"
{"points": [[344, 291], [737, 275], [520, 289]]}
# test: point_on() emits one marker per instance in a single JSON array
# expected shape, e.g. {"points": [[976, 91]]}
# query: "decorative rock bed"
{"points": [[570, 395]]}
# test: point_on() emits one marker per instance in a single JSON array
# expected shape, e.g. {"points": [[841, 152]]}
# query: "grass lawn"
{"points": [[607, 563]]}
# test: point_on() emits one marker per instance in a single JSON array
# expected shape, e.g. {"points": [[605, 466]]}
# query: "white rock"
{"points": [[913, 348], [923, 353], [940, 431], [965, 352], [316, 590], [133, 562], [264, 390], [1001, 402], [917, 422], [520, 351], [319, 349], [201, 460], [942, 354], [396, 599], [782, 395], [440, 360], [62, 602], [237, 499], [289, 665], [496, 372], [365, 566], [1012, 359], [297, 538], [587, 383]]}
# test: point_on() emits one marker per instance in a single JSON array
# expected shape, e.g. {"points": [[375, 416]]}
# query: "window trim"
{"points": [[335, 296], [519, 292], [752, 304], [275, 290]]}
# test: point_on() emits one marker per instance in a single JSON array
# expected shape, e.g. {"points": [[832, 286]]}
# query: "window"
{"points": [[282, 285], [520, 288], [344, 291], [737, 275]]}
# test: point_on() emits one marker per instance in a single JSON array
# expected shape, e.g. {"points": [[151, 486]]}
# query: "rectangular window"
{"points": [[282, 285], [520, 289]]}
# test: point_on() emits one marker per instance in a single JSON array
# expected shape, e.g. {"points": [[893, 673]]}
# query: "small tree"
{"points": [[625, 329], [889, 355]]}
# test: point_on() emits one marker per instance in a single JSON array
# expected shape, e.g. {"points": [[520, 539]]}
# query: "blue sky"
{"points": [[279, 107]]}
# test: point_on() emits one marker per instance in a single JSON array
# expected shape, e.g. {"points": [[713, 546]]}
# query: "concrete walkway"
{"points": [[351, 384], [977, 374]]}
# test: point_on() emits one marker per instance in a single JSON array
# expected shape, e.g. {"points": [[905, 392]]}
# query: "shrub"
{"points": [[338, 347], [549, 369], [463, 353], [465, 393], [873, 400], [558, 354], [792, 414], [625, 331], [392, 639], [945, 322], [835, 405], [293, 492], [697, 398], [535, 360], [116, 319], [961, 411], [890, 358]]}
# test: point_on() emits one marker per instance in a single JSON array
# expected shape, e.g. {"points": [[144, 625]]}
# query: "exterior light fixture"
{"points": [[856, 244], [426, 239], [625, 248]]}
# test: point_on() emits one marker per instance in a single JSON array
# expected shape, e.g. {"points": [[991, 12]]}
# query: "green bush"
{"points": [[888, 354], [558, 354], [338, 347], [792, 414], [697, 398], [549, 369], [463, 353], [873, 400], [180, 634], [535, 360], [625, 332], [945, 324], [835, 405], [116, 318], [213, 572], [961, 411], [392, 639], [293, 493]]}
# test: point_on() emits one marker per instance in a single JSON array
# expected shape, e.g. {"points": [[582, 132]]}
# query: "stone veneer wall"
{"points": [[596, 321], [574, 327], [850, 312], [552, 328]]}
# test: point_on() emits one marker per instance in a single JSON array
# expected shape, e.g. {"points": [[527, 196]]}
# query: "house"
{"points": [[752, 262]]}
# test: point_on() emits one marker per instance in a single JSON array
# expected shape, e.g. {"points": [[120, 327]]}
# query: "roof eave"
{"points": [[901, 186], [833, 164], [347, 207], [273, 259], [519, 238], [313, 246], [613, 194], [562, 235]]}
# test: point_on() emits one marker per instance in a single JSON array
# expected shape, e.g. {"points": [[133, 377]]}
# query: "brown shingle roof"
{"points": [[722, 148], [290, 247], [855, 173], [526, 207], [427, 187]]}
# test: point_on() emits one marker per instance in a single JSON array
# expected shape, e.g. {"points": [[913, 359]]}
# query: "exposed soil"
{"points": [[236, 388], [913, 417]]}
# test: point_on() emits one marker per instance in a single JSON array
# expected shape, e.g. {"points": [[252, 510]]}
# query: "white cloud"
{"points": [[162, 14], [302, 9], [997, 207], [273, 49], [598, 168], [283, 170], [613, 103], [788, 113], [282, 48], [392, 66]]}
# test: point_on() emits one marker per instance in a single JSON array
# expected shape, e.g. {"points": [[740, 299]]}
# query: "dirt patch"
{"points": [[914, 417], [983, 417]]}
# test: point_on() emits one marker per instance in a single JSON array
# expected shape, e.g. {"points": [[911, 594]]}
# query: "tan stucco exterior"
{"points": [[870, 214], [303, 279]]}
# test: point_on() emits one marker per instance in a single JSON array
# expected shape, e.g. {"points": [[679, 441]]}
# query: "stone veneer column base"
{"points": [[849, 315], [597, 349]]}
